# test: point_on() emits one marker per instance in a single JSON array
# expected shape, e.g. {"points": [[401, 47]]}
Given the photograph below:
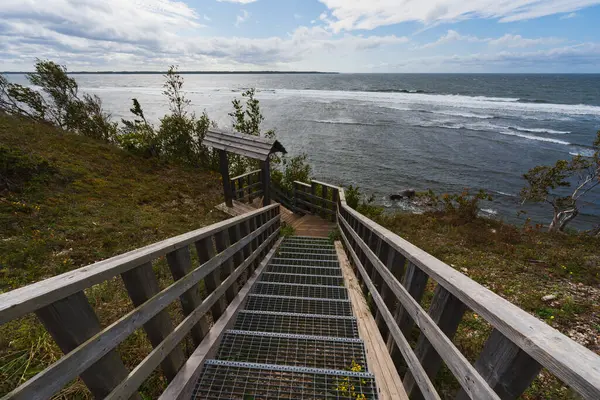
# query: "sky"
{"points": [[369, 36]]}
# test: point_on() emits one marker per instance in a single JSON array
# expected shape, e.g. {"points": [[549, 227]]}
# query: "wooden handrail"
{"points": [[256, 171], [61, 300], [18, 302], [574, 364]]}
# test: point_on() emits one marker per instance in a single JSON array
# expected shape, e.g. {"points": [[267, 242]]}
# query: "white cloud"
{"points": [[452, 36], [519, 41], [237, 1], [507, 40], [243, 17], [360, 14], [569, 16]]}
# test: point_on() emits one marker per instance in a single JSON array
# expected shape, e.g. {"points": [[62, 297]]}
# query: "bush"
{"points": [[464, 206], [356, 200]]}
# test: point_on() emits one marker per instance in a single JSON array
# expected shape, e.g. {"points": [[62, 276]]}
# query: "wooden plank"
{"points": [[19, 302], [222, 244], [423, 380], [460, 367], [206, 251], [316, 198], [415, 282], [54, 377], [141, 284], [224, 169], [508, 369], [379, 362], [256, 171], [152, 360], [183, 385], [180, 263], [447, 312], [571, 362], [313, 192], [313, 208], [72, 321]]}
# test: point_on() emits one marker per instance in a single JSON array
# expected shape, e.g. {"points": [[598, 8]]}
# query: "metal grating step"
{"points": [[305, 262], [295, 269], [309, 247], [299, 305], [285, 289], [300, 255], [289, 349], [231, 380], [303, 279], [301, 324], [308, 239]]}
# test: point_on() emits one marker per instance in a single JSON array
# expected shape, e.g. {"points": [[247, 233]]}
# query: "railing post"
{"points": [[505, 367], [447, 312], [206, 251], [250, 188], [222, 243], [180, 264], [141, 284], [72, 321], [266, 182], [414, 281], [224, 168], [313, 191]]}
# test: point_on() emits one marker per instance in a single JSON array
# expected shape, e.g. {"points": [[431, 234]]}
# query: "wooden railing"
{"points": [[225, 250], [394, 274], [246, 187], [317, 198]]}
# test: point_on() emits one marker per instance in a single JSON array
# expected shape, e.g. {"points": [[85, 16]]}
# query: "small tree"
{"points": [[61, 105], [544, 184]]}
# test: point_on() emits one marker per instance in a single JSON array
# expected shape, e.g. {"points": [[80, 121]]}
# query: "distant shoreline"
{"points": [[186, 72]]}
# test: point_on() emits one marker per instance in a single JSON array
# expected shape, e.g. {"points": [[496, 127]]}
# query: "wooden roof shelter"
{"points": [[255, 147]]}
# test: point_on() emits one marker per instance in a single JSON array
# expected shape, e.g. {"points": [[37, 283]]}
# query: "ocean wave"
{"points": [[503, 193], [451, 113], [532, 137], [539, 130], [410, 100], [489, 211], [583, 152], [343, 121]]}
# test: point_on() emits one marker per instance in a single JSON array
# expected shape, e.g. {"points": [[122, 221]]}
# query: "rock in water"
{"points": [[406, 193]]}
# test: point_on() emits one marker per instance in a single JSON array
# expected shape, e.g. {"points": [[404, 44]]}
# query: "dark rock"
{"points": [[407, 193]]}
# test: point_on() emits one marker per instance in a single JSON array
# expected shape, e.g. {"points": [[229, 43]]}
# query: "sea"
{"points": [[388, 132]]}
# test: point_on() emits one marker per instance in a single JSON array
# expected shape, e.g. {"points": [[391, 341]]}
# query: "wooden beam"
{"points": [[266, 181], [447, 312], [141, 284], [206, 250], [224, 169], [72, 321], [507, 369], [180, 264]]}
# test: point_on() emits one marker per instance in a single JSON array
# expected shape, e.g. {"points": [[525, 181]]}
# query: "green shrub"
{"points": [[463, 206], [17, 168]]}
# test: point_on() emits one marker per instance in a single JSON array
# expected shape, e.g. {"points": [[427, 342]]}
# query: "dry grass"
{"points": [[82, 202]]}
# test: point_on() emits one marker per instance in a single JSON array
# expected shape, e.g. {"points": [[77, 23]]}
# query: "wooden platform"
{"points": [[307, 225], [379, 361]]}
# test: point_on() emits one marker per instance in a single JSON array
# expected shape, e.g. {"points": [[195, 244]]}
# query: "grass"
{"points": [[522, 265], [67, 201]]}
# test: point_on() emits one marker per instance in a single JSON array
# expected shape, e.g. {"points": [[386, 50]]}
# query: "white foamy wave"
{"points": [[464, 114], [404, 100], [583, 152], [342, 121], [504, 193], [532, 137], [539, 130], [489, 211]]}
